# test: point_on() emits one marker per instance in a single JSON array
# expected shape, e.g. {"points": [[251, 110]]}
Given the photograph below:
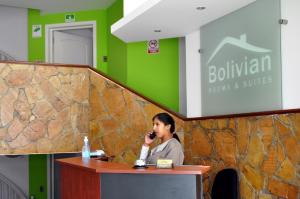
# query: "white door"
{"points": [[72, 49]]}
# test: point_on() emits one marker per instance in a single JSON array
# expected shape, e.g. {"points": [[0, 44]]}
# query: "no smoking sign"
{"points": [[153, 46]]}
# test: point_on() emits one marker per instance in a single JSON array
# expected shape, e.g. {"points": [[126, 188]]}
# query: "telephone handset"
{"points": [[152, 135]]}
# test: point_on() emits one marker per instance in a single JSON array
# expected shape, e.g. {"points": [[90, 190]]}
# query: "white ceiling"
{"points": [[54, 6], [175, 18]]}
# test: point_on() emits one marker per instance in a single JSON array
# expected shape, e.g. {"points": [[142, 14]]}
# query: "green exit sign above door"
{"points": [[69, 18]]}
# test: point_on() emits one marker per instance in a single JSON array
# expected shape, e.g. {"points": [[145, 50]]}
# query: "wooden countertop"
{"points": [[111, 167]]}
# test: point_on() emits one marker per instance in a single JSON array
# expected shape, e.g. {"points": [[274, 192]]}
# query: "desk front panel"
{"points": [[149, 186]]}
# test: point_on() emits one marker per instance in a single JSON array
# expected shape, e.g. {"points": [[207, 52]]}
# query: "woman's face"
{"points": [[160, 128]]}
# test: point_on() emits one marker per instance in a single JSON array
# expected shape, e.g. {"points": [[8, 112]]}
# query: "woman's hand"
{"points": [[148, 141]]}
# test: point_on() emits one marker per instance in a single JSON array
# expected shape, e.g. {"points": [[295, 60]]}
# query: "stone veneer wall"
{"points": [[48, 109], [264, 150], [43, 109], [119, 119]]}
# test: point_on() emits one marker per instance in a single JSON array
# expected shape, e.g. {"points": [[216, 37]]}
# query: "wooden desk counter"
{"points": [[82, 179], [111, 167]]}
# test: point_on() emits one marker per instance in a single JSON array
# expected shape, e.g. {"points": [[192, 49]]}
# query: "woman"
{"points": [[170, 147]]}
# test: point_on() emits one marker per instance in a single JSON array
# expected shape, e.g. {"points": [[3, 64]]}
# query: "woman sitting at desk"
{"points": [[170, 147]]}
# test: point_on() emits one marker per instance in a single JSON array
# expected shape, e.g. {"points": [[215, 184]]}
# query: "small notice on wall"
{"points": [[153, 46], [36, 30], [69, 18]]}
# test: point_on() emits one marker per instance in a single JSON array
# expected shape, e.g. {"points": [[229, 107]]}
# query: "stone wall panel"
{"points": [[5, 70], [200, 142], [283, 190], [7, 106], [35, 108], [49, 109], [292, 147], [270, 163], [19, 78], [15, 128], [295, 123], [3, 87], [243, 135], [267, 155]]}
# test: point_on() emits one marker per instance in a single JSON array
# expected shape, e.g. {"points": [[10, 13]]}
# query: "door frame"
{"points": [[50, 28]]}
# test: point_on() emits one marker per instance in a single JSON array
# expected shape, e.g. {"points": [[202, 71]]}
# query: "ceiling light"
{"points": [[157, 30], [200, 8]]}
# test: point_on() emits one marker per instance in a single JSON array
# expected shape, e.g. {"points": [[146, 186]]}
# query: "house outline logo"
{"points": [[241, 43]]}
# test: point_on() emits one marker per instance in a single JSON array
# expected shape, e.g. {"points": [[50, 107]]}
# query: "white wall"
{"points": [[290, 54], [130, 5], [193, 74], [182, 77], [14, 32], [16, 169], [85, 32], [290, 41]]}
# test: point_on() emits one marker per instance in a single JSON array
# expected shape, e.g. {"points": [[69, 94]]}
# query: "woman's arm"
{"points": [[145, 148], [144, 152]]}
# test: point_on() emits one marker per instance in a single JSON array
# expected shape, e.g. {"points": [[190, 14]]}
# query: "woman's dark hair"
{"points": [[167, 120]]}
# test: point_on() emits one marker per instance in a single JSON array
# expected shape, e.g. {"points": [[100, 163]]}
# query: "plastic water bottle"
{"points": [[85, 149]]}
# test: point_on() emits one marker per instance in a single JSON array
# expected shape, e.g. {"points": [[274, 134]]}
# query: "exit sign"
{"points": [[69, 18]]}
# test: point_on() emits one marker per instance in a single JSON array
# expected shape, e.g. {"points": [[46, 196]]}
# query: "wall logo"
{"points": [[256, 60], [241, 61]]}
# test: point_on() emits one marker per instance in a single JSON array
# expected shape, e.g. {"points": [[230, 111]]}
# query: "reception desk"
{"points": [[96, 179]]}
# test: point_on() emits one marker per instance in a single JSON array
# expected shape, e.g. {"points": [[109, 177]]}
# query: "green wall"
{"points": [[38, 176], [36, 46], [117, 49], [155, 75], [36, 52]]}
